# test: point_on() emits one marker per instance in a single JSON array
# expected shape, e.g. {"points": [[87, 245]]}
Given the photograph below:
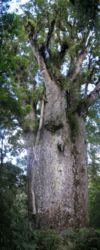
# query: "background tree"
{"points": [[93, 130], [14, 223], [16, 88]]}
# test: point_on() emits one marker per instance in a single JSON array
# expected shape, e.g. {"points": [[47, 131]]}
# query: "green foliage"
{"points": [[83, 239], [93, 130], [47, 240], [38, 93], [86, 11], [30, 125], [73, 124], [9, 98], [94, 189], [13, 206], [94, 205], [93, 127]]}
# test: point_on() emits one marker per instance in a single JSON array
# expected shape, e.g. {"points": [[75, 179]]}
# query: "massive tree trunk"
{"points": [[58, 164], [57, 160]]}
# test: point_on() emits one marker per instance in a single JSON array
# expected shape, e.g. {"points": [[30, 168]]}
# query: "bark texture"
{"points": [[57, 160], [57, 165]]}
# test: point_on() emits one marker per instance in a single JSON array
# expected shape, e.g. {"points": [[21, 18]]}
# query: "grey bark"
{"points": [[57, 165], [57, 160]]}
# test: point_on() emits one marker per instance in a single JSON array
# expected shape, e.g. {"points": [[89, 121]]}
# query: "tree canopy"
{"points": [[68, 41], [63, 35]]}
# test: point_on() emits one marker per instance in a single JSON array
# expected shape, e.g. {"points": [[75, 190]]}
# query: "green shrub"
{"points": [[83, 239], [48, 240]]}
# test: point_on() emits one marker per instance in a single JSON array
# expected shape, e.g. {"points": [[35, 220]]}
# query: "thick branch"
{"points": [[81, 57], [45, 46], [78, 65], [91, 98], [35, 48]]}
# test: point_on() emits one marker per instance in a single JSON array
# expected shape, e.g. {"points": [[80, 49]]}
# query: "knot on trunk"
{"points": [[53, 125]]}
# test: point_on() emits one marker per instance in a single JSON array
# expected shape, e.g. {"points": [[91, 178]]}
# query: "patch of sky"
{"points": [[8, 85], [71, 19], [65, 68], [39, 78], [14, 155], [90, 88], [16, 6]]}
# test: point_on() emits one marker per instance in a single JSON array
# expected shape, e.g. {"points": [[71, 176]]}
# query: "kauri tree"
{"points": [[58, 94], [64, 40]]}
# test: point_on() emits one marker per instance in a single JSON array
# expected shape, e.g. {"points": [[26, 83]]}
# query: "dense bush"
{"points": [[94, 202], [48, 240], [83, 239], [13, 208]]}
